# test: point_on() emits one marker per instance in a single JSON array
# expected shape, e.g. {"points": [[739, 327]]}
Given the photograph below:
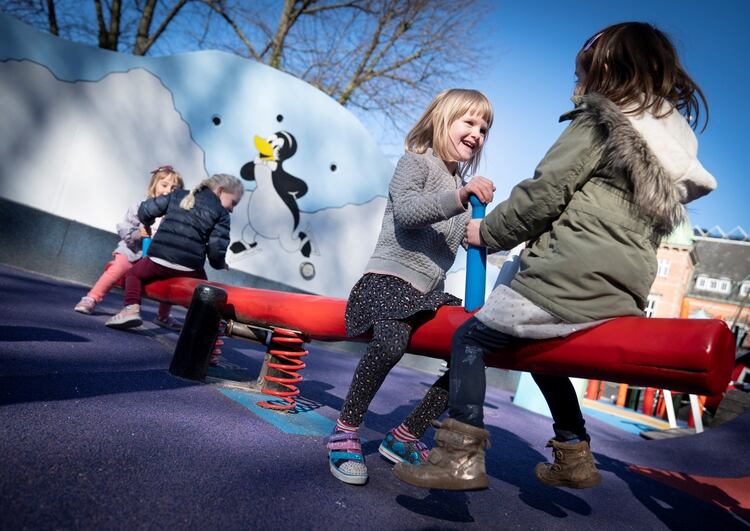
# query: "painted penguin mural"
{"points": [[89, 114], [272, 210]]}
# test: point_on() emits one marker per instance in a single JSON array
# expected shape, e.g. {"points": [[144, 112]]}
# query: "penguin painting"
{"points": [[272, 210]]}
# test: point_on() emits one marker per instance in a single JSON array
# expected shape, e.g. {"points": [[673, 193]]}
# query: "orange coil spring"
{"points": [[213, 360], [285, 348]]}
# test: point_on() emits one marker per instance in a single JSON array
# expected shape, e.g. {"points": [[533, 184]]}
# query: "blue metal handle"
{"points": [[145, 242], [476, 264]]}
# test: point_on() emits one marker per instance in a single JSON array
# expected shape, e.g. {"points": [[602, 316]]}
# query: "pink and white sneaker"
{"points": [[129, 317], [86, 305]]}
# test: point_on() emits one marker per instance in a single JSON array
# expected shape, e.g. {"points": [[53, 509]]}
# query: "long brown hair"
{"points": [[635, 65]]}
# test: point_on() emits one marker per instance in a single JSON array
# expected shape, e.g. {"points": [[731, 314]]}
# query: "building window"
{"points": [[717, 285], [663, 270], [651, 305], [744, 288]]}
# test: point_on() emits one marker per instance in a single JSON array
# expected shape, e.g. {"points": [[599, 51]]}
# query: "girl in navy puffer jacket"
{"points": [[164, 180], [195, 226]]}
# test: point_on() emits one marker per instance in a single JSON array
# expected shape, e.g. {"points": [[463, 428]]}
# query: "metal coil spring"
{"points": [[285, 349]]}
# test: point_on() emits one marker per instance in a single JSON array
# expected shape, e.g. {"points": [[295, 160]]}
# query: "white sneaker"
{"points": [[86, 305], [129, 317]]}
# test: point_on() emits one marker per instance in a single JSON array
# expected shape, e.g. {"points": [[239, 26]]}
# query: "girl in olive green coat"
{"points": [[604, 195]]}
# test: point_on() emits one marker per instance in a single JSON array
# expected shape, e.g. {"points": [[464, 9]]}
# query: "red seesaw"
{"points": [[688, 355]]}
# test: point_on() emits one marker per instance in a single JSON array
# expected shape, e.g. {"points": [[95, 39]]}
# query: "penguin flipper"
{"points": [[248, 171], [289, 184], [290, 189]]}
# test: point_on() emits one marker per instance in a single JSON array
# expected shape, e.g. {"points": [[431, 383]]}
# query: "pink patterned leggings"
{"points": [[112, 274]]}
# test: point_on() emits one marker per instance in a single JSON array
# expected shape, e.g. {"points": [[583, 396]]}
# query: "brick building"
{"points": [[676, 263], [699, 275], [702, 275], [720, 284]]}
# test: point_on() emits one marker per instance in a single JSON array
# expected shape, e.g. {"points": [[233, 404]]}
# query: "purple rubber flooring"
{"points": [[96, 434]]}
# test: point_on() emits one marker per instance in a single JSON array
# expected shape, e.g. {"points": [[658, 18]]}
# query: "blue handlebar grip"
{"points": [[476, 264], [145, 242]]}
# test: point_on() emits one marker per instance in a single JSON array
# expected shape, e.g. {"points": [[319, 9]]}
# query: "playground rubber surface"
{"points": [[97, 434]]}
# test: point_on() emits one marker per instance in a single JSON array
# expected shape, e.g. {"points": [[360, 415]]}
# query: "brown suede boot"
{"points": [[574, 466], [456, 463]]}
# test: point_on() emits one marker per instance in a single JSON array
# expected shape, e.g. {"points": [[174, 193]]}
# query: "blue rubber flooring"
{"points": [[95, 433]]}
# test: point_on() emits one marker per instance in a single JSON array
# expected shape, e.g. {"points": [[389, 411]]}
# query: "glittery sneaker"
{"points": [[345, 458], [413, 452]]}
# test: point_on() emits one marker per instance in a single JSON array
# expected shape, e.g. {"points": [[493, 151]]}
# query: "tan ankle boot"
{"points": [[456, 463], [574, 466]]}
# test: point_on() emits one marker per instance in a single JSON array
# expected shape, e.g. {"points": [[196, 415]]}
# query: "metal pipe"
{"points": [[247, 332]]}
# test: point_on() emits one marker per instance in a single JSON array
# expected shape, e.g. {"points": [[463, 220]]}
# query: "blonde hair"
{"points": [[163, 172], [431, 130], [230, 183]]}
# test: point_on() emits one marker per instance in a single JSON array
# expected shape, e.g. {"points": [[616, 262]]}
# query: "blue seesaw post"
{"points": [[476, 264], [145, 242]]}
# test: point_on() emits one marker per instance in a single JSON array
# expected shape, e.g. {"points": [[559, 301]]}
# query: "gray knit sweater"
{"points": [[423, 224]]}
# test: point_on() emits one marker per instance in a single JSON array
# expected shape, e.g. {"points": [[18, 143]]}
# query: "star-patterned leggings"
{"points": [[387, 347]]}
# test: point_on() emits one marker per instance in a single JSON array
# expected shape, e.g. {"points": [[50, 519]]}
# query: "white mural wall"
{"points": [[83, 127]]}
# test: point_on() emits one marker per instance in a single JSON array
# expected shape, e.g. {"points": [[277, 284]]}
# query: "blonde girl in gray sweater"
{"points": [[423, 225], [610, 188]]}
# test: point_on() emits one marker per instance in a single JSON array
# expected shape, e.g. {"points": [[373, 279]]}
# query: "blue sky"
{"points": [[532, 47]]}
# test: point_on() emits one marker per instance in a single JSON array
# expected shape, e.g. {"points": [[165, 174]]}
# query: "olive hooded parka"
{"points": [[593, 214]]}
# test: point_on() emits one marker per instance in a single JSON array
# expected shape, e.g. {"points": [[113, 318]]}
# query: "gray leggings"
{"points": [[386, 348]]}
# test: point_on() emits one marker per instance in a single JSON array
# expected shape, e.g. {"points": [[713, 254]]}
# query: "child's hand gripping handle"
{"points": [[476, 264]]}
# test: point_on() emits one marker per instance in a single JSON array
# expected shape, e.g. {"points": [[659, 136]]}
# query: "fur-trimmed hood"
{"points": [[659, 155]]}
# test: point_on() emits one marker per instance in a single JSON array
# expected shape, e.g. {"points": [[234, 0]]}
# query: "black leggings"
{"points": [[386, 348], [471, 343]]}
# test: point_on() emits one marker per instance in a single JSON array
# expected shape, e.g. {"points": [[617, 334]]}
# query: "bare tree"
{"points": [[385, 57], [144, 40], [116, 25], [52, 17]]}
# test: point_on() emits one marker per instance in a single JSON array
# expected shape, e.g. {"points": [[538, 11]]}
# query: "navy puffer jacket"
{"points": [[187, 237]]}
